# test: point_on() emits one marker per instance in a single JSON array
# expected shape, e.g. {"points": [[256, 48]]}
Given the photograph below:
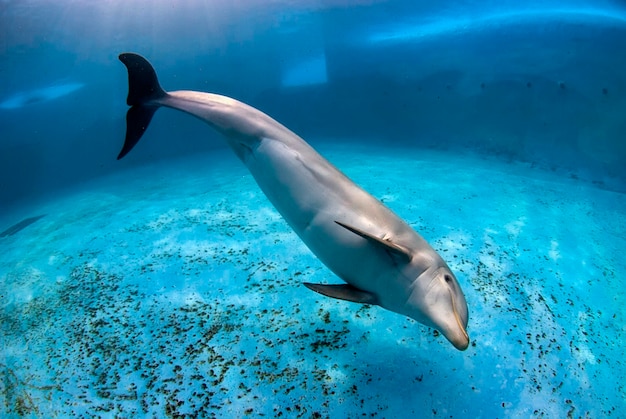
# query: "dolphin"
{"points": [[382, 260], [44, 94]]}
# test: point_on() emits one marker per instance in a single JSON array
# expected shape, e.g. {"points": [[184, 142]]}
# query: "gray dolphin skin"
{"points": [[380, 257]]}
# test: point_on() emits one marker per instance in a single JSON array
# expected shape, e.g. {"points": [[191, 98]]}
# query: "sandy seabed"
{"points": [[175, 290]]}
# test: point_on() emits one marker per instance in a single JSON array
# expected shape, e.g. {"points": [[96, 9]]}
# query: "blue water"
{"points": [[167, 284]]}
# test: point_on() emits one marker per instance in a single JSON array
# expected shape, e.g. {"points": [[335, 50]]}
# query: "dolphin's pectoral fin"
{"points": [[395, 249], [343, 292]]}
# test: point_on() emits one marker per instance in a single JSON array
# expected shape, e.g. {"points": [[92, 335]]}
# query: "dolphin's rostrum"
{"points": [[381, 258]]}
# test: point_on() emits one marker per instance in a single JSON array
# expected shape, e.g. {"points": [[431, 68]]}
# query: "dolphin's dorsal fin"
{"points": [[394, 248], [345, 292]]}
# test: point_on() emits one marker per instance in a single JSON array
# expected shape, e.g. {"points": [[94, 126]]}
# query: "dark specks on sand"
{"points": [[186, 307]]}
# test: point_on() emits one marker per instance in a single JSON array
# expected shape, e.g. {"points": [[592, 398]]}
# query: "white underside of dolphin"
{"points": [[381, 258]]}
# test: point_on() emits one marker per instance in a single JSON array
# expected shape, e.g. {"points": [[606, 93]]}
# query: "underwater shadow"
{"points": [[16, 228]]}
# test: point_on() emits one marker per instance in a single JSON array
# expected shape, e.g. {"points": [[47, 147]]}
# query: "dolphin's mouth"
{"points": [[463, 341], [460, 342]]}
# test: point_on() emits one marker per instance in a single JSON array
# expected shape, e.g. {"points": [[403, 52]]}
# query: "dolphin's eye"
{"points": [[448, 278]]}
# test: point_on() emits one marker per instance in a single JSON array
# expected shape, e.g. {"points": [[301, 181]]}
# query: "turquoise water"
{"points": [[166, 284], [178, 288]]}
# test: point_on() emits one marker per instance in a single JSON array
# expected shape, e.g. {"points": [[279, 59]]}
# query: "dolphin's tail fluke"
{"points": [[143, 92]]}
